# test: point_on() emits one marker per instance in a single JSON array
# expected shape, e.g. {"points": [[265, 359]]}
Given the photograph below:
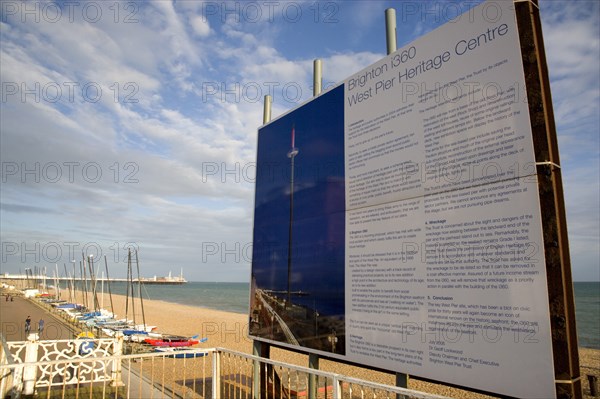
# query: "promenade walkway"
{"points": [[12, 326], [13, 315]]}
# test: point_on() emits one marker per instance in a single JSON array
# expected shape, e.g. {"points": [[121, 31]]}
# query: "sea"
{"points": [[234, 297], [587, 313], [228, 297]]}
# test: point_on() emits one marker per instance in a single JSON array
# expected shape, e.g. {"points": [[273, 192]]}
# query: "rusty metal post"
{"points": [[556, 245]]}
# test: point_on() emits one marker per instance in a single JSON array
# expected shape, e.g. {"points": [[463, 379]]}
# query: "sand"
{"points": [[229, 330]]}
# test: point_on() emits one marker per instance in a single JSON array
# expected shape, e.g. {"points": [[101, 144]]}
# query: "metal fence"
{"points": [[213, 373]]}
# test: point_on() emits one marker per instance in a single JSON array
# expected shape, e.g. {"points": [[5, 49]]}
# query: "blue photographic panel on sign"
{"points": [[299, 226]]}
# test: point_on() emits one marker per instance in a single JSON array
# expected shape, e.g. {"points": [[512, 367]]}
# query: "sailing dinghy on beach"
{"points": [[175, 341], [181, 353]]}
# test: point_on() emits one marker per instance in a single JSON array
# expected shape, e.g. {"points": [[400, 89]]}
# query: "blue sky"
{"points": [[134, 123]]}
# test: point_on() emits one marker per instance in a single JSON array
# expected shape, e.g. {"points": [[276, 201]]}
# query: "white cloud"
{"points": [[572, 41], [200, 25], [574, 68], [339, 66], [177, 164]]}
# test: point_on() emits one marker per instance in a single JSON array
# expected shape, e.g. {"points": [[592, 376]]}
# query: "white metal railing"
{"points": [[215, 373], [7, 377]]}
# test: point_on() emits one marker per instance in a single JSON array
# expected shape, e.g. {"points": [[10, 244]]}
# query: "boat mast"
{"points": [[130, 271], [140, 288], [112, 308], [67, 277], [102, 297], [84, 281], [93, 282], [127, 284], [56, 281], [73, 297]]}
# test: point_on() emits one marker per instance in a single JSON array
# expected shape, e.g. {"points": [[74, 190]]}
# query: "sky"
{"points": [[134, 124]]}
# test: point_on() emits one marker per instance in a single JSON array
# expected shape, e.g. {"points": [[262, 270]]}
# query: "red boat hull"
{"points": [[162, 342]]}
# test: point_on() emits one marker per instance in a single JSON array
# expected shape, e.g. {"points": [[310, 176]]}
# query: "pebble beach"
{"points": [[230, 330]]}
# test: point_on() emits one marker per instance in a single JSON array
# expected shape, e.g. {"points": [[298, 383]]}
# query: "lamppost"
{"points": [[27, 276], [316, 324], [272, 326], [291, 154], [332, 338]]}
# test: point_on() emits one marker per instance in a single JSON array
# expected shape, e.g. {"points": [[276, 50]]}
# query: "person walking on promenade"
{"points": [[27, 325], [40, 327]]}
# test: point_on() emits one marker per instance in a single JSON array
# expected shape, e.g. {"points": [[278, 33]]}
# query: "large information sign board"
{"points": [[403, 230]]}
